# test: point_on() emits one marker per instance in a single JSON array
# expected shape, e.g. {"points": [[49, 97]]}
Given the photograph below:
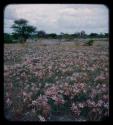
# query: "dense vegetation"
{"points": [[55, 82], [23, 31], [47, 83], [10, 38]]}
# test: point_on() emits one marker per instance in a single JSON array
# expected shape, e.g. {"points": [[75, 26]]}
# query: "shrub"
{"points": [[90, 42], [7, 38]]}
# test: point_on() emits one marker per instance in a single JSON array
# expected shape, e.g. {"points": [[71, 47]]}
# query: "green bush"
{"points": [[90, 42], [7, 38]]}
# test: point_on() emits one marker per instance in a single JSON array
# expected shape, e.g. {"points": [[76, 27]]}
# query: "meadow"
{"points": [[56, 82]]}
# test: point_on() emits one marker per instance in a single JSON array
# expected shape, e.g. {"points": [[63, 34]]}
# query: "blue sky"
{"points": [[57, 18]]}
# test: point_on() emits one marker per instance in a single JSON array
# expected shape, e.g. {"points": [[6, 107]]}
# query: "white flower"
{"points": [[34, 102], [8, 101], [81, 105], [106, 105], [41, 118]]}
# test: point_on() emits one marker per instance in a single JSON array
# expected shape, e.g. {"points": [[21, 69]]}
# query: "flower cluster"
{"points": [[47, 79]]}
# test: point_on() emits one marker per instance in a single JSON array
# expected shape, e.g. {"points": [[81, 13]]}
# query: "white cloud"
{"points": [[58, 18]]}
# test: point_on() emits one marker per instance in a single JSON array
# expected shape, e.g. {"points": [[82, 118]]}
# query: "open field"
{"points": [[56, 82]]}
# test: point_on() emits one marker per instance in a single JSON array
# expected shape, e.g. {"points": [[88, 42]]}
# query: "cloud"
{"points": [[58, 18]]}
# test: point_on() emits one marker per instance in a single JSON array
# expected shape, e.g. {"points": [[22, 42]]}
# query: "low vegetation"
{"points": [[46, 83], [90, 42]]}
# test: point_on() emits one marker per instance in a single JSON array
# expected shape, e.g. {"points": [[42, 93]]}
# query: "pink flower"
{"points": [[105, 97], [24, 94], [59, 100], [52, 91], [75, 109], [100, 103], [101, 77], [91, 103]]}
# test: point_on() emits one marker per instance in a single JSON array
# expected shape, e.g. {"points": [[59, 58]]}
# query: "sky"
{"points": [[57, 18]]}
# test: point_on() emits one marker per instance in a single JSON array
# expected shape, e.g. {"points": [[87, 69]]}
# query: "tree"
{"points": [[77, 34], [22, 31], [41, 33], [83, 34], [106, 35], [52, 35], [93, 35]]}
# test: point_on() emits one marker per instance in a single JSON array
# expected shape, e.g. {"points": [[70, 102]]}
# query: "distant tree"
{"points": [[93, 35], [61, 35], [41, 33], [22, 31], [52, 35], [77, 34], [82, 34], [106, 34], [101, 35]]}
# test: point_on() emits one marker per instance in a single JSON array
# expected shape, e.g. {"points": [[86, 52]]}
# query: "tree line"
{"points": [[23, 31]]}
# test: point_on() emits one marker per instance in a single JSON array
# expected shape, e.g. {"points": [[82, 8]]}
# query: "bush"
{"points": [[90, 42], [7, 38], [10, 38]]}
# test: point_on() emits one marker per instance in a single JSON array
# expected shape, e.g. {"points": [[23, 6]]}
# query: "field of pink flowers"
{"points": [[56, 83]]}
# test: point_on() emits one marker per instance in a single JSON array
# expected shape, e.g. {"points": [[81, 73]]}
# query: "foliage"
{"points": [[52, 35], [7, 38], [41, 34], [49, 80], [22, 30], [90, 42]]}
